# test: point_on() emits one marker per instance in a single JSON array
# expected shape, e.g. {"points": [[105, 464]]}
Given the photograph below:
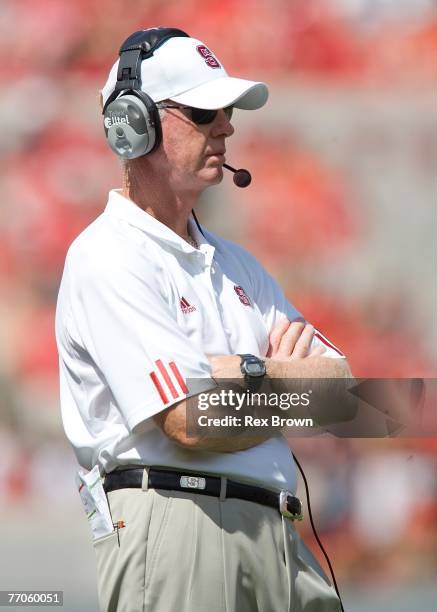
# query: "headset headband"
{"points": [[137, 47]]}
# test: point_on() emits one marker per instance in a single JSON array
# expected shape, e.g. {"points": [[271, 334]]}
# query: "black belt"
{"points": [[288, 504]]}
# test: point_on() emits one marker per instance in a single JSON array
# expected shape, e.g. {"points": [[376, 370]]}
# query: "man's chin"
{"points": [[212, 175]]}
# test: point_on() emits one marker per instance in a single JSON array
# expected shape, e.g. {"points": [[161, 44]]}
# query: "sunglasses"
{"points": [[199, 116]]}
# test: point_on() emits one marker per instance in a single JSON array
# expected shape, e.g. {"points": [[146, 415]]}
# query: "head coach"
{"points": [[151, 310]]}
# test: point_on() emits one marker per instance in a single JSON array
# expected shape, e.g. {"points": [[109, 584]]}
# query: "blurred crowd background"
{"points": [[342, 210]]}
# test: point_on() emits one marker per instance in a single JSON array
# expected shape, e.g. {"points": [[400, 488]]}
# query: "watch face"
{"points": [[255, 369], [252, 366]]}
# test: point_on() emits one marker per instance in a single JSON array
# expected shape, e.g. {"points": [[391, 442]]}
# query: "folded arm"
{"points": [[289, 357]]}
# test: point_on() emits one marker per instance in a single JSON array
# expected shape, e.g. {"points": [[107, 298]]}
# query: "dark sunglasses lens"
{"points": [[201, 116]]}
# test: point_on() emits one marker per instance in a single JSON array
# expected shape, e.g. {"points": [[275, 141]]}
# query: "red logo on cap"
{"points": [[208, 56]]}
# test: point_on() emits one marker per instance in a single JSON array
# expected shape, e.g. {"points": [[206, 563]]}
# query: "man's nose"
{"points": [[222, 125]]}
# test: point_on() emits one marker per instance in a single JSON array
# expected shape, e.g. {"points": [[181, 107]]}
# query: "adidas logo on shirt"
{"points": [[186, 306]]}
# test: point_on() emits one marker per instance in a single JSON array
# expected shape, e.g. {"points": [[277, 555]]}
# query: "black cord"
{"points": [[315, 532], [197, 223]]}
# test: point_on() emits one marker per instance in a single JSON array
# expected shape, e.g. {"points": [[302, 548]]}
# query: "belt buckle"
{"points": [[283, 506], [192, 482]]}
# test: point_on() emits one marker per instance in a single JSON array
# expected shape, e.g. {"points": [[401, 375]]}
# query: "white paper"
{"points": [[94, 501]]}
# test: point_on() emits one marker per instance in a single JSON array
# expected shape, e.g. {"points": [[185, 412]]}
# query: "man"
{"points": [[152, 310]]}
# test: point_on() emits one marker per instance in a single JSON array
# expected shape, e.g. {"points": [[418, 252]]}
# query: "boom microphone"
{"points": [[242, 177]]}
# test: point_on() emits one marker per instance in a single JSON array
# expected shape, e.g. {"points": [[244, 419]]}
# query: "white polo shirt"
{"points": [[138, 311]]}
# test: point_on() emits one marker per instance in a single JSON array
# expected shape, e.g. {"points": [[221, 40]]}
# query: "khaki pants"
{"points": [[184, 552]]}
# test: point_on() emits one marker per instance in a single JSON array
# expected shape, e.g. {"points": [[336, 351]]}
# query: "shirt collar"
{"points": [[123, 208]]}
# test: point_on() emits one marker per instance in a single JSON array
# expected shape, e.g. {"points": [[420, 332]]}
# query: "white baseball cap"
{"points": [[184, 70]]}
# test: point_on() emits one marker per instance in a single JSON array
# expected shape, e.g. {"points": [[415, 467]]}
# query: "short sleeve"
{"points": [[123, 321]]}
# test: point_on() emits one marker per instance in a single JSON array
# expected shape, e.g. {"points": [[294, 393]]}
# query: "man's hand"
{"points": [[289, 340], [292, 340]]}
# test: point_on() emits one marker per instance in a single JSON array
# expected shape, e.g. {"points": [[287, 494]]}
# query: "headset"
{"points": [[130, 116]]}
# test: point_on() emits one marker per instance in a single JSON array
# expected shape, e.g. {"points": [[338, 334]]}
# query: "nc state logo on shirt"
{"points": [[242, 296], [208, 56]]}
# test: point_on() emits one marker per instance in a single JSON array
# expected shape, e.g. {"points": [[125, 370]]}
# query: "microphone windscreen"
{"points": [[242, 178]]}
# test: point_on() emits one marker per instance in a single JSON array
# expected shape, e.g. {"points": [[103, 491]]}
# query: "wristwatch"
{"points": [[254, 370]]}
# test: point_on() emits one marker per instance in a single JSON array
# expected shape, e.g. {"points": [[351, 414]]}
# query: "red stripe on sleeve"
{"points": [[167, 379], [181, 381], [158, 386], [185, 302], [326, 341]]}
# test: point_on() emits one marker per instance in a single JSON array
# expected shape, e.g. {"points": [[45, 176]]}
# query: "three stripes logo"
{"points": [[186, 306], [168, 381]]}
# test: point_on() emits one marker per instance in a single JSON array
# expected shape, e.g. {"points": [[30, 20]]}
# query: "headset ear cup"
{"points": [[132, 125], [154, 118]]}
